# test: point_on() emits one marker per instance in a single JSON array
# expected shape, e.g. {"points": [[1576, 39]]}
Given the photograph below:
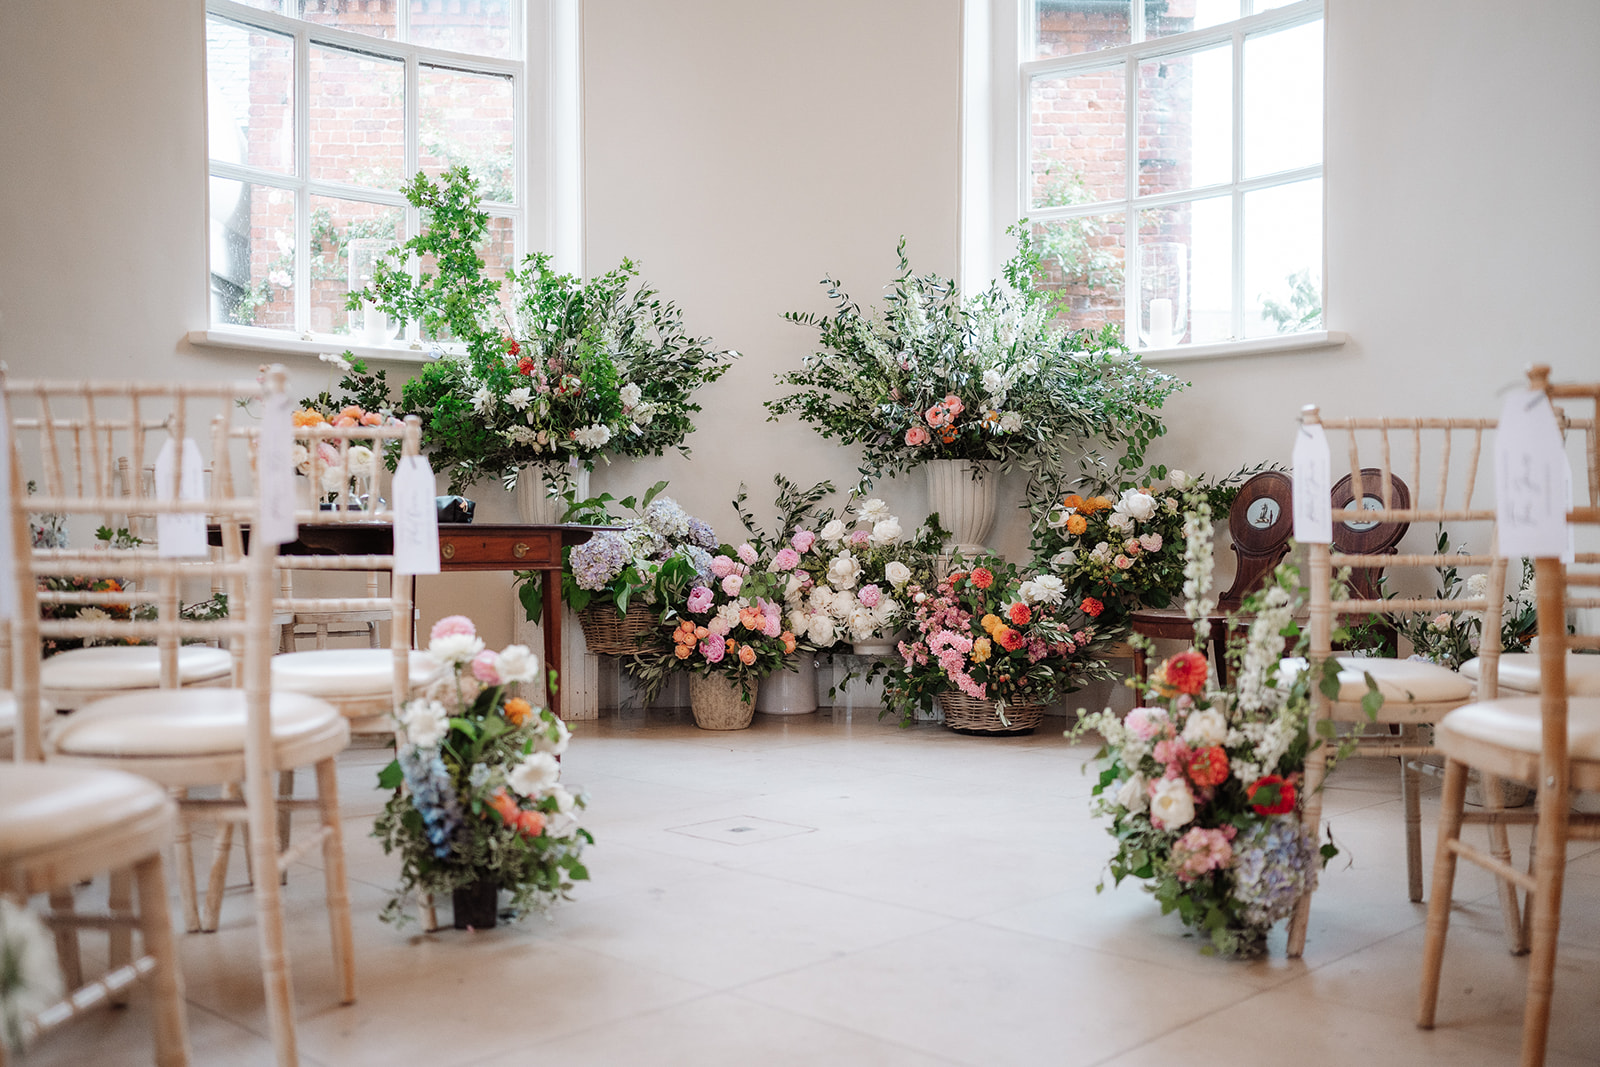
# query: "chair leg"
{"points": [[1494, 800], [183, 866], [1311, 822], [263, 808], [218, 882], [168, 1015], [285, 792], [1411, 794], [334, 874], [1546, 907], [1451, 805], [120, 901], [61, 903]]}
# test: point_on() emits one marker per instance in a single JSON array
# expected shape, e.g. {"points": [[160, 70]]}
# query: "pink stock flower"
{"points": [[747, 552], [451, 625], [1203, 850], [803, 540], [1150, 542], [787, 559], [1174, 752], [486, 667]]}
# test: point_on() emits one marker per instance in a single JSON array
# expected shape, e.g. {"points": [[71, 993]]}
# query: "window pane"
{"points": [[1069, 27], [1082, 266], [250, 96], [337, 227], [1283, 259], [482, 28], [252, 254], [357, 118], [1185, 259], [1283, 99], [1078, 135], [1163, 18], [467, 118], [1186, 121], [371, 17]]}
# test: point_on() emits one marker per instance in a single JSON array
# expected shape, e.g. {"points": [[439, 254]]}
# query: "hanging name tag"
{"points": [[1313, 514], [8, 549], [1532, 480], [275, 473], [416, 518], [180, 536]]}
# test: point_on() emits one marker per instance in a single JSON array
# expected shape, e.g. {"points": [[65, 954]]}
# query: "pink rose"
{"points": [[787, 559], [747, 552], [700, 599], [451, 625], [917, 435], [732, 584], [486, 667], [869, 596], [803, 540], [722, 566], [1150, 542], [1145, 723], [1122, 562], [954, 405]]}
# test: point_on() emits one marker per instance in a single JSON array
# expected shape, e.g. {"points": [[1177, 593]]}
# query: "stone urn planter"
{"points": [[963, 493], [719, 704]]}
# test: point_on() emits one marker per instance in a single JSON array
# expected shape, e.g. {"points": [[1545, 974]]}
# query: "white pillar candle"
{"points": [[375, 323], [1161, 323]]}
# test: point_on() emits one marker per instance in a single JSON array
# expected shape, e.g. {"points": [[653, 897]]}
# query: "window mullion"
{"points": [[413, 215], [302, 170], [1236, 310], [1130, 218]]}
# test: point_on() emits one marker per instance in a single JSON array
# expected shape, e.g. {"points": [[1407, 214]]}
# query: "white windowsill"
{"points": [[278, 343], [1255, 346]]}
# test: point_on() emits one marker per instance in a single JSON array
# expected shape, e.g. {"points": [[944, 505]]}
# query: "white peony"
{"points": [[1139, 504], [897, 573], [833, 532], [33, 981], [536, 772], [520, 398], [798, 620], [517, 664], [863, 623], [1178, 479], [455, 648], [820, 630], [793, 586], [630, 395], [361, 462], [843, 603], [873, 511], [425, 722], [1011, 422], [542, 741], [1206, 728], [844, 570], [1120, 521], [1044, 589], [1133, 794], [886, 532], [1064, 559], [1172, 805], [821, 598]]}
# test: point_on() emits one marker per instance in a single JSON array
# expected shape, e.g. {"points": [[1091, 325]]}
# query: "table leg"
{"points": [[552, 636]]}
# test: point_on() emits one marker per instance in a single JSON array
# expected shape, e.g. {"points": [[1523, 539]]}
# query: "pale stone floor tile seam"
{"points": [[193, 1009]]}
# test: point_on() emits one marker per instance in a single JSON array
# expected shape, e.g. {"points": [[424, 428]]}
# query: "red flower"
{"points": [[1092, 607], [956, 576], [512, 346], [1208, 767], [982, 577], [1277, 795], [1020, 614], [1011, 640], [525, 365], [1186, 672]]}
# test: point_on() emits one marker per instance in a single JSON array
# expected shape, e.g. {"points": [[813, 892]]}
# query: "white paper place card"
{"points": [[416, 518], [1532, 479], [1313, 512], [8, 549], [180, 536], [275, 472]]}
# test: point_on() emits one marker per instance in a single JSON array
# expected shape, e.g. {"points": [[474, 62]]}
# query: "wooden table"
{"points": [[479, 546]]}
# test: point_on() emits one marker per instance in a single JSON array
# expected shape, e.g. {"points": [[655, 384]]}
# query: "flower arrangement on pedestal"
{"points": [[555, 372], [993, 635], [983, 378], [482, 802], [1202, 784]]}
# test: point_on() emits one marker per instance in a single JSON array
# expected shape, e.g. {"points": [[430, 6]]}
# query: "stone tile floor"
{"points": [[829, 889]]}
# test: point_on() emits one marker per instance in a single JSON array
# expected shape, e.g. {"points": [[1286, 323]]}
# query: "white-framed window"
{"points": [[318, 111], [1168, 155]]}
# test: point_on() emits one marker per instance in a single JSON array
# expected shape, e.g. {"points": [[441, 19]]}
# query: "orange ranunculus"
{"points": [[788, 642], [517, 711], [308, 417], [684, 651], [981, 648], [747, 655], [1011, 640], [1076, 524], [701, 633], [954, 577], [1092, 607], [1072, 500], [1208, 766], [947, 435], [1186, 672], [982, 577]]}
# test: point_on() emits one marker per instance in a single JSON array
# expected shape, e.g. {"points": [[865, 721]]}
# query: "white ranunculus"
{"points": [[1011, 422], [897, 573], [886, 532], [1178, 479], [455, 648], [1139, 504], [833, 532], [543, 742], [1133, 794], [873, 511], [361, 461], [1120, 521], [729, 614], [425, 722], [517, 663], [1043, 589], [1172, 804], [630, 394], [844, 570], [520, 398], [536, 772], [1064, 559], [1205, 728]]}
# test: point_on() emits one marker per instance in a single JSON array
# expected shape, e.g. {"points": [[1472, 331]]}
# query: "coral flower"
{"points": [[1208, 766], [1076, 524], [1277, 795], [747, 655], [1020, 614], [308, 417], [525, 366], [1186, 672], [917, 435], [531, 822], [517, 711], [982, 577], [1092, 607], [788, 642], [1011, 640], [1072, 500]]}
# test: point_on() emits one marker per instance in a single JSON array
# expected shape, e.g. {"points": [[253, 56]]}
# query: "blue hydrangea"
{"points": [[701, 533], [1273, 866], [699, 559], [433, 794], [666, 518], [599, 560]]}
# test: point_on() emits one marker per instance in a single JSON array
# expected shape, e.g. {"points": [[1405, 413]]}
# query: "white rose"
{"points": [[1064, 559], [897, 573], [517, 664], [425, 722], [873, 511], [1058, 517], [455, 648], [1173, 804], [520, 398], [1132, 795], [543, 742], [1011, 422], [844, 570], [1120, 521], [1139, 504], [1205, 728], [560, 826], [833, 532], [630, 395], [1178, 479], [886, 532], [537, 772]]}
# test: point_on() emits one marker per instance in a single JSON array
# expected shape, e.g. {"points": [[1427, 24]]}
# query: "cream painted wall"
{"points": [[740, 150]]}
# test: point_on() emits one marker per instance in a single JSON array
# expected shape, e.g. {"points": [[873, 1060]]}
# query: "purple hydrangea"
{"points": [[666, 518], [700, 533], [1273, 866], [599, 560]]}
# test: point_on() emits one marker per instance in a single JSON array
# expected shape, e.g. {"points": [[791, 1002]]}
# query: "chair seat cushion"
{"points": [[130, 667], [1520, 671], [1514, 723], [43, 804], [1401, 681], [346, 672], [184, 722]]}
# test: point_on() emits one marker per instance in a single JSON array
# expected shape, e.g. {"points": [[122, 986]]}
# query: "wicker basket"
{"points": [[610, 634], [719, 704], [969, 715]]}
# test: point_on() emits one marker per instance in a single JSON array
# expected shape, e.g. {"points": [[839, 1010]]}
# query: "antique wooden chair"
{"points": [[1551, 742], [1415, 694], [179, 737]]}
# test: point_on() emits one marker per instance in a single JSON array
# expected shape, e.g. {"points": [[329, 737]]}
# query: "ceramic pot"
{"points": [[965, 502], [535, 505], [790, 692]]}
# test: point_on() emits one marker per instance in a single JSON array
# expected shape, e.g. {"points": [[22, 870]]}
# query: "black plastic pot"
{"points": [[476, 907]]}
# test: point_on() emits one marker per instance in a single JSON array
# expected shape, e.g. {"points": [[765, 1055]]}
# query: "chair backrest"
{"points": [[1260, 522], [66, 439], [1442, 459]]}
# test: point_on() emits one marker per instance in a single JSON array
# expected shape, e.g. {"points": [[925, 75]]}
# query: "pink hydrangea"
{"points": [[451, 625], [803, 540], [700, 599], [787, 559], [747, 552], [869, 596], [486, 667], [722, 566], [732, 584], [1145, 723], [1201, 850]]}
